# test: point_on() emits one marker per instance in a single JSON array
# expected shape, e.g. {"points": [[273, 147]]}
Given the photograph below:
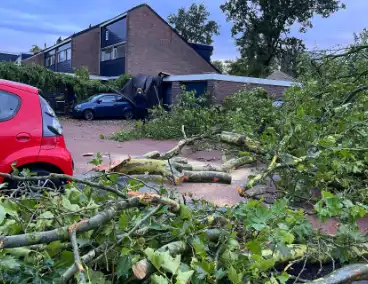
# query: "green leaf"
{"points": [[234, 276], [123, 221], [124, 265], [154, 257], [185, 212], [46, 215], [184, 277], [261, 263], [199, 248], [2, 214], [96, 277], [170, 264], [328, 141], [158, 279], [54, 248], [255, 247], [11, 208], [67, 205], [8, 262], [283, 278]]}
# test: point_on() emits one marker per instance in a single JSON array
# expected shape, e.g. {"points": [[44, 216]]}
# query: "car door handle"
{"points": [[23, 137]]}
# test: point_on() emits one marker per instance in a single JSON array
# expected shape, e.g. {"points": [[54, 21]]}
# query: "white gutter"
{"points": [[229, 78]]}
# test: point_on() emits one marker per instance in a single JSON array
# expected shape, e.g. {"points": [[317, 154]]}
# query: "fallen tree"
{"points": [[109, 237], [108, 232]]}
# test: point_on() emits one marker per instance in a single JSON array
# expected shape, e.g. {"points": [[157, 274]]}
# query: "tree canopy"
{"points": [[193, 24], [35, 49], [262, 29]]}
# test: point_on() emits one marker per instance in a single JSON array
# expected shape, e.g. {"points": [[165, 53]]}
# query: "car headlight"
{"points": [[77, 107]]}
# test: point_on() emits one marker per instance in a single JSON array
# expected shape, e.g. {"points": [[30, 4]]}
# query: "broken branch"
{"points": [[62, 233], [64, 177], [78, 263]]}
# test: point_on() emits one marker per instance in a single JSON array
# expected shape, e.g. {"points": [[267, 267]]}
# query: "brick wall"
{"points": [[218, 90], [36, 59], [222, 89], [153, 46], [86, 51]]}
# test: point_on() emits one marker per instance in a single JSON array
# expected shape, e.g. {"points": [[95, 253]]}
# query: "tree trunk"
{"points": [[347, 274], [207, 176], [242, 140]]}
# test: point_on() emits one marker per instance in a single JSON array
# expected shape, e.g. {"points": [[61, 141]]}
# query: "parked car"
{"points": [[104, 106], [30, 133]]}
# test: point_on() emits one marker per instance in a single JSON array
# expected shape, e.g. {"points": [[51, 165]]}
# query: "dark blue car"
{"points": [[104, 106]]}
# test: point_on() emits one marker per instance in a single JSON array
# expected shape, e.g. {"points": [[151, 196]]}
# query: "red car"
{"points": [[30, 133]]}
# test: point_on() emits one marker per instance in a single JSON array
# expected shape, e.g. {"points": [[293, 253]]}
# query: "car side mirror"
{"points": [[99, 101]]}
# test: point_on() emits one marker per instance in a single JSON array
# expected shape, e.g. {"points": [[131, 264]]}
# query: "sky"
{"points": [[24, 23]]}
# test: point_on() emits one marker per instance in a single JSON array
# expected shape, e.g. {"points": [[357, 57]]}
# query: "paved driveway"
{"points": [[83, 137]]}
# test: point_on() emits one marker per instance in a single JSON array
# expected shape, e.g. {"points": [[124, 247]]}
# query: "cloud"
{"points": [[32, 22]]}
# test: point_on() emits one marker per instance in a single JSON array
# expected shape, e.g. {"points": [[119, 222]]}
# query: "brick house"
{"points": [[137, 41], [219, 86]]}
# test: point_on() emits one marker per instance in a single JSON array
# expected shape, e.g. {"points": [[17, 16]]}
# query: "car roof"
{"points": [[19, 86]]}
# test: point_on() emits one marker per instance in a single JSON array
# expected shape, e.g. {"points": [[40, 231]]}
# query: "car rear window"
{"points": [[9, 105]]}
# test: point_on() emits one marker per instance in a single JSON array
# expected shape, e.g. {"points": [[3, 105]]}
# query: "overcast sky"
{"points": [[27, 22]]}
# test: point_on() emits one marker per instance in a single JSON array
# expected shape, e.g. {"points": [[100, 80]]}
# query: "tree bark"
{"points": [[151, 199], [347, 274], [237, 163], [242, 140], [62, 233], [207, 176]]}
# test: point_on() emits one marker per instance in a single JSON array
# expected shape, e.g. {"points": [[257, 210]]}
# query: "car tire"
{"points": [[128, 114], [54, 185], [88, 115]]}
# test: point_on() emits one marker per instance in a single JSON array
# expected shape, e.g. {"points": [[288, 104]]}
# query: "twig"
{"points": [[64, 177], [183, 131], [102, 249], [301, 271], [133, 178], [78, 263]]}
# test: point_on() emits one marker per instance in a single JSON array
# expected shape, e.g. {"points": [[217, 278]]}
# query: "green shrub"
{"points": [[49, 81], [241, 113]]}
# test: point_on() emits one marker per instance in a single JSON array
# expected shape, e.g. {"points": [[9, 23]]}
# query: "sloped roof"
{"points": [[120, 16], [280, 76]]}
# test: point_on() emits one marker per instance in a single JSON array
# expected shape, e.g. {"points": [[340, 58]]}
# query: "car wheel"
{"points": [[88, 115], [35, 187], [128, 114]]}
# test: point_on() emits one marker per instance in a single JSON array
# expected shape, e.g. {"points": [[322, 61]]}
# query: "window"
{"points": [[50, 60], [108, 99], [113, 53], [9, 105], [62, 56], [119, 51], [107, 35], [106, 54], [68, 54]]}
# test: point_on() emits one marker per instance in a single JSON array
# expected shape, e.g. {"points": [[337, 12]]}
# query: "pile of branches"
{"points": [[102, 233]]}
